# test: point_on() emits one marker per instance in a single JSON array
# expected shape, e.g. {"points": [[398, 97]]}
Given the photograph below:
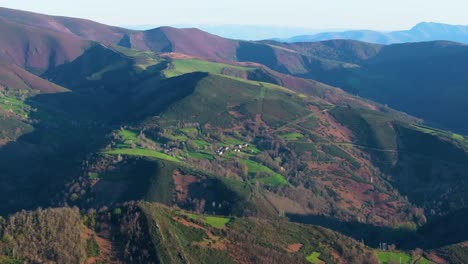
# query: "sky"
{"points": [[318, 14]]}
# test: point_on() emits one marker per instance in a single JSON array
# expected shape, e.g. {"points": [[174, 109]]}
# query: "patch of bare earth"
{"points": [[338, 258], [236, 114], [294, 248], [108, 251], [334, 130], [436, 258], [182, 183], [177, 56]]}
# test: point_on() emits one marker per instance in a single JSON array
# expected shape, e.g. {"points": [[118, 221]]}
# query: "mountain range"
{"points": [[178, 146], [424, 31], [243, 32]]}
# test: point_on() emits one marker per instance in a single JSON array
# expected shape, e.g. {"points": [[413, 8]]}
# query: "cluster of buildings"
{"points": [[237, 148]]}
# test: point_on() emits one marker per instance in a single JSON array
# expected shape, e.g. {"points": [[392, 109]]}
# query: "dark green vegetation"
{"points": [[235, 147]]}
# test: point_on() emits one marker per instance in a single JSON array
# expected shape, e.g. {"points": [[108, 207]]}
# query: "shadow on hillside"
{"points": [[432, 235], [68, 128], [259, 53], [370, 234], [34, 169], [430, 171]]}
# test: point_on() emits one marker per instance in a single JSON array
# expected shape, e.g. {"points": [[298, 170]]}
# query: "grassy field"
{"points": [[274, 179], [14, 105], [94, 175], [436, 132], [194, 65], [252, 149], [292, 136], [189, 131], [255, 167], [143, 59], [200, 155], [141, 153], [386, 257], [201, 143], [314, 258], [128, 145], [216, 221], [128, 137]]}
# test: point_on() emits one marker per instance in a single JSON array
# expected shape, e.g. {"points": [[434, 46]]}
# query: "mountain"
{"points": [[82, 28], [410, 77], [192, 132], [232, 148], [37, 49], [241, 32], [424, 31]]}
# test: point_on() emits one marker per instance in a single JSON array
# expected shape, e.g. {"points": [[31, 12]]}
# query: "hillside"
{"points": [[368, 70], [37, 49], [81, 28], [356, 157], [408, 77], [293, 127], [94, 236], [140, 232], [232, 150]]}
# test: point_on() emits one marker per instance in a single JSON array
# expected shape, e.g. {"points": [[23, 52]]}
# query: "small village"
{"points": [[236, 148]]}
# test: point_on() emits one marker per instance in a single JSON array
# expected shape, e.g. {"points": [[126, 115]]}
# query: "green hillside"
{"points": [[184, 149], [293, 142]]}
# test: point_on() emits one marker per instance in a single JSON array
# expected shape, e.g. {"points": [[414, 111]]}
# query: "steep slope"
{"points": [[188, 41], [164, 39], [371, 71], [348, 51], [37, 49], [301, 144], [154, 233], [14, 78], [23, 237], [412, 78], [16, 85], [81, 28], [208, 239]]}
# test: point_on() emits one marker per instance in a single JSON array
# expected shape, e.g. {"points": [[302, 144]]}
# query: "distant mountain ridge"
{"points": [[243, 32], [424, 31], [39, 42]]}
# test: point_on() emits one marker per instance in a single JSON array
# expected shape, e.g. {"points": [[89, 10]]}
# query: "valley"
{"points": [[177, 146]]}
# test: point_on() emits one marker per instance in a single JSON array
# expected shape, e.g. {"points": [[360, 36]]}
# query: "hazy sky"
{"points": [[320, 14]]}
